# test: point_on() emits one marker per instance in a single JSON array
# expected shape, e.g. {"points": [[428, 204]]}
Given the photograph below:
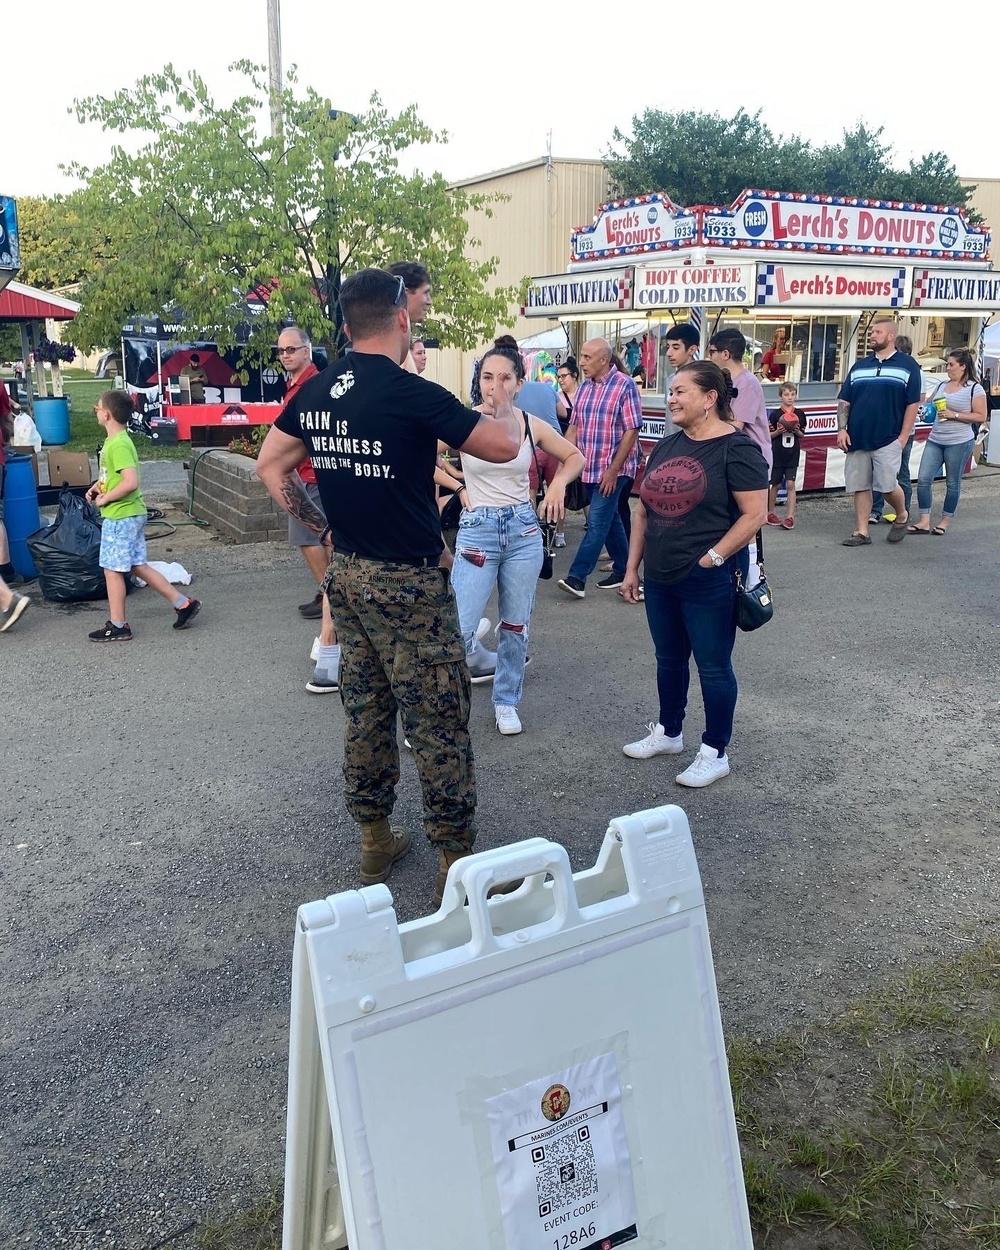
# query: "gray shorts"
{"points": [[298, 534], [873, 470]]}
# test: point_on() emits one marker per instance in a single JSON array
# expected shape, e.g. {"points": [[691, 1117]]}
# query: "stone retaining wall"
{"points": [[230, 496]]}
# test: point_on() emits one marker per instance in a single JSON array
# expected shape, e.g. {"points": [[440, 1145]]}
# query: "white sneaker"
{"points": [[707, 766], [508, 721], [314, 653], [560, 540], [483, 628], [656, 742]]}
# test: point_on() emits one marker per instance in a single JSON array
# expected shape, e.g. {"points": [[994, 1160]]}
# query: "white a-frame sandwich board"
{"points": [[543, 1070]]}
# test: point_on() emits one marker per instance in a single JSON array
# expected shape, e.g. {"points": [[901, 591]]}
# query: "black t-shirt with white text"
{"points": [[371, 430], [687, 493]]}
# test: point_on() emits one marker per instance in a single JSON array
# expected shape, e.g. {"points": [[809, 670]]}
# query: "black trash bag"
{"points": [[67, 552]]}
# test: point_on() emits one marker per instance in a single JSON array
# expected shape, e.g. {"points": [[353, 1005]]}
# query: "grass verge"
{"points": [[879, 1130], [83, 391]]}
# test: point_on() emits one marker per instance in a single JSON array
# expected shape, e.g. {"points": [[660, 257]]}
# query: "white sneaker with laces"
{"points": [[656, 742], [707, 766], [508, 721]]}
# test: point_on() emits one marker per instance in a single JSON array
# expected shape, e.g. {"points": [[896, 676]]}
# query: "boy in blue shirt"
{"points": [[123, 515]]}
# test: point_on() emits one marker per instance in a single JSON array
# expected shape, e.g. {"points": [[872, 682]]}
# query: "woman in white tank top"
{"points": [[499, 540]]}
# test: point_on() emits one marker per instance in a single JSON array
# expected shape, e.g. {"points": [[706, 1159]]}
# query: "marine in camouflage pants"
{"points": [[401, 649]]}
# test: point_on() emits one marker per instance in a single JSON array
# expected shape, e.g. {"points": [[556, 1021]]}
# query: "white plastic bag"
{"points": [[26, 433]]}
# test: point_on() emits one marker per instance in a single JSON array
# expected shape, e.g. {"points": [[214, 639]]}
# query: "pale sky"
{"points": [[499, 77]]}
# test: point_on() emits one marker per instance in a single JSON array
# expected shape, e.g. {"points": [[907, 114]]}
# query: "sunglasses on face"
{"points": [[290, 351]]}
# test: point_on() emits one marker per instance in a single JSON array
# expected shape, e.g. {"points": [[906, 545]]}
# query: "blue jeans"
{"points": [[697, 615], [499, 547], [953, 456], [604, 525], [904, 477]]}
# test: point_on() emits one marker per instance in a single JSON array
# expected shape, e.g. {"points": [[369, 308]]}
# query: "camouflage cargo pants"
{"points": [[401, 650]]}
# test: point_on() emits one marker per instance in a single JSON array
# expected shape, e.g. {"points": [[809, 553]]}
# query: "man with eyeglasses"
{"points": [[371, 429], [876, 412], [295, 357]]}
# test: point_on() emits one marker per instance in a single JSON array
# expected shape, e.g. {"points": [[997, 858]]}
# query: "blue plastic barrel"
{"points": [[52, 420], [20, 510]]}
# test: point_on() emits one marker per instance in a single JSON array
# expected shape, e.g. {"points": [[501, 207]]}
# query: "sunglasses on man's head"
{"points": [[400, 299]]}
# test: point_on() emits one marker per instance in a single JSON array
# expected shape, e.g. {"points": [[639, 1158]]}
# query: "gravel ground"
{"points": [[170, 803]]}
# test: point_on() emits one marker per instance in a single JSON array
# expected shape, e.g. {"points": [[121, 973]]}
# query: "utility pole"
{"points": [[274, 64]]}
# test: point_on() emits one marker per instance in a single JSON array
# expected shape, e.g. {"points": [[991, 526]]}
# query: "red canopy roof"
{"points": [[24, 303]]}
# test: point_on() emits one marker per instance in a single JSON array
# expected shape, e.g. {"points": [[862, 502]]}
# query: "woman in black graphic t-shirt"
{"points": [[704, 496]]}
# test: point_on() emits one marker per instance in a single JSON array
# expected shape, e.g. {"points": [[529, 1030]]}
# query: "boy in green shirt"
{"points": [[123, 513]]}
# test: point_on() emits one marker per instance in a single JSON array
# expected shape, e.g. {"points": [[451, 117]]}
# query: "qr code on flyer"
{"points": [[565, 1171]]}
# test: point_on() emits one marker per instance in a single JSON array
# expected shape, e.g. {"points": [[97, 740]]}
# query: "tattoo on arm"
{"points": [[843, 410], [298, 504]]}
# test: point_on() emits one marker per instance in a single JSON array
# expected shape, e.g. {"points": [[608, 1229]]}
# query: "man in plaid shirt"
{"points": [[604, 425]]}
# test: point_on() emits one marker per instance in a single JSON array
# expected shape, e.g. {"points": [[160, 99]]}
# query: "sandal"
{"points": [[939, 530], [857, 540], [916, 529], [897, 532]]}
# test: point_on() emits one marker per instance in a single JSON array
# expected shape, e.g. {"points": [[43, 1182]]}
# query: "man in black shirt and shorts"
{"points": [[371, 431]]}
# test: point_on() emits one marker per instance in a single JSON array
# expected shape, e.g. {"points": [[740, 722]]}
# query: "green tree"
{"points": [[207, 209], [703, 158], [10, 342], [58, 249]]}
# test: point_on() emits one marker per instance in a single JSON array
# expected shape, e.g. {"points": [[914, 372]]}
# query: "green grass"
{"points": [[878, 1130], [83, 391]]}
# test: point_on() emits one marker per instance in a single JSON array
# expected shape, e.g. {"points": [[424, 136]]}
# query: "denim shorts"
{"points": [[300, 535], [123, 543]]}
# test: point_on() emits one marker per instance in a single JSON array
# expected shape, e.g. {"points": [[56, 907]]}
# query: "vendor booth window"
{"points": [[794, 349]]}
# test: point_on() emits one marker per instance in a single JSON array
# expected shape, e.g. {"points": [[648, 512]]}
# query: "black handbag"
{"points": [[754, 608], [548, 530]]}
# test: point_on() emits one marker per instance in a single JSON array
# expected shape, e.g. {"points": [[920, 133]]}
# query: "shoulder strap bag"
{"points": [[754, 608]]}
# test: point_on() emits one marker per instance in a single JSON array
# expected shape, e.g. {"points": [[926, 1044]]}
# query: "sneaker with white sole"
{"points": [[560, 540], [656, 742], [508, 721], [18, 605], [482, 663], [707, 766], [611, 582], [324, 681], [573, 586]]}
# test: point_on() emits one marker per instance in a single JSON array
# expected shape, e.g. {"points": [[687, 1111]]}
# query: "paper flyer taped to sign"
{"points": [[563, 1170]]}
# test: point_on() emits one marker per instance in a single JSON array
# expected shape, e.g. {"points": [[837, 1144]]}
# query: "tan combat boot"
{"points": [[445, 861], [381, 846]]}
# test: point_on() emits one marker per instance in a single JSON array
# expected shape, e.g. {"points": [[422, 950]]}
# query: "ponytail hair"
{"points": [[967, 360], [707, 376]]}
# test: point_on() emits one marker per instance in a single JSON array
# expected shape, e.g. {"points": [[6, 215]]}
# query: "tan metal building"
{"points": [[529, 232]]}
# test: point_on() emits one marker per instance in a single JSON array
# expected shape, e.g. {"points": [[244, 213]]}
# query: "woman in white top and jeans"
{"points": [[950, 440], [499, 539]]}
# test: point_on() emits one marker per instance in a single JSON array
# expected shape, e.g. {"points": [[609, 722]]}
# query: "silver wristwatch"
{"points": [[717, 560]]}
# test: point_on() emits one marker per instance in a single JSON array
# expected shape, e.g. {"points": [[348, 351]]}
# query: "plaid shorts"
{"points": [[123, 543]]}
